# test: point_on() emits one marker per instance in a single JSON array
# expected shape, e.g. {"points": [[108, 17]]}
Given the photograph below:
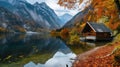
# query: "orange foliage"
{"points": [[106, 8], [81, 1], [64, 33], [114, 26], [101, 57], [67, 3], [54, 33]]}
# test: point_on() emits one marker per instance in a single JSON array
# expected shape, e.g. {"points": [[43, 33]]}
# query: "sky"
{"points": [[58, 9]]}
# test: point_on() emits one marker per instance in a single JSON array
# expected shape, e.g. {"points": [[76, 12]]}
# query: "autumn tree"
{"points": [[118, 4], [105, 11], [64, 33], [67, 3]]}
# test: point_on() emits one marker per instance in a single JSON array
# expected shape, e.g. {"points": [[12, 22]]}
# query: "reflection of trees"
{"points": [[78, 49], [19, 46]]}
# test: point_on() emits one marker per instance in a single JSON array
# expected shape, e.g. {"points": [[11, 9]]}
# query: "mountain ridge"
{"points": [[35, 17], [65, 18], [77, 18]]}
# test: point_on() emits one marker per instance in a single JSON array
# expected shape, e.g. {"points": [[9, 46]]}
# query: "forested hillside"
{"points": [[98, 11]]}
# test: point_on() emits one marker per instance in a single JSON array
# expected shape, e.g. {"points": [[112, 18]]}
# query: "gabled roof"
{"points": [[98, 27]]}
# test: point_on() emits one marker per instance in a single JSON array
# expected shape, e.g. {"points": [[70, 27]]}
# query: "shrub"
{"points": [[3, 30], [116, 53], [54, 33], [74, 39], [64, 33]]}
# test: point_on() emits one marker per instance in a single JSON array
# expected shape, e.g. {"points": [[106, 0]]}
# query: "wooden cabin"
{"points": [[96, 31]]}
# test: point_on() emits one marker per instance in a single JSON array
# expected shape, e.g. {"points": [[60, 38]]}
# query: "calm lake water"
{"points": [[37, 50]]}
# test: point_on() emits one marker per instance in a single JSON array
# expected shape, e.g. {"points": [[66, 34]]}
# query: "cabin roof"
{"points": [[98, 27]]}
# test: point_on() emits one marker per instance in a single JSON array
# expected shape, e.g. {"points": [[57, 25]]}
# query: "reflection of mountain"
{"points": [[58, 60], [31, 17], [16, 47]]}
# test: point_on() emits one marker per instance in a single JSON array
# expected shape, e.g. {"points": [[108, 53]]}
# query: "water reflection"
{"points": [[38, 50], [19, 49], [58, 60]]}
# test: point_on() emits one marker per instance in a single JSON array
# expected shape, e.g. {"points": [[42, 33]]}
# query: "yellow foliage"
{"points": [[8, 57], [106, 8], [74, 39], [116, 53], [3, 29]]}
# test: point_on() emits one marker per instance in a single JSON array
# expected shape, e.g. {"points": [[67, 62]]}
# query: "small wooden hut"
{"points": [[96, 31]]}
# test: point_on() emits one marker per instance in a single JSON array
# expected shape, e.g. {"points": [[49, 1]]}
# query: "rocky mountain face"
{"points": [[107, 14], [9, 22], [77, 18], [28, 17]]}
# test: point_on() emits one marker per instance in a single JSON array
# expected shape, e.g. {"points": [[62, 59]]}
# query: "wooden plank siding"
{"points": [[89, 34], [103, 35], [96, 30]]}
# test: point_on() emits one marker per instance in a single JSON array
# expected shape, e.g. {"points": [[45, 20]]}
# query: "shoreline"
{"points": [[97, 57]]}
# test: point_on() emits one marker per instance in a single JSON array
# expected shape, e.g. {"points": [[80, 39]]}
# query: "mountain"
{"points": [[13, 1], [48, 14], [8, 21], [99, 14], [77, 18], [65, 18], [34, 17]]}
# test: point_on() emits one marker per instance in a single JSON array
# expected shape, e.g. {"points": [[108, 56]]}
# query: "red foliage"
{"points": [[100, 57]]}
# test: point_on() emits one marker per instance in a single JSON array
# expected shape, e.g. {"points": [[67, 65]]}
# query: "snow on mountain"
{"points": [[65, 18]]}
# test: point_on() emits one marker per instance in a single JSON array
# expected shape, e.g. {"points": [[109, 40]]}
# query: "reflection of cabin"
{"points": [[96, 31]]}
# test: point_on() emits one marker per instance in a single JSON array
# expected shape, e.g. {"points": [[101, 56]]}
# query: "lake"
{"points": [[38, 50]]}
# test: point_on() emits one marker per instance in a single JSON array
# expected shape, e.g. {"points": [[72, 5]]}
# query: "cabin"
{"points": [[96, 31]]}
